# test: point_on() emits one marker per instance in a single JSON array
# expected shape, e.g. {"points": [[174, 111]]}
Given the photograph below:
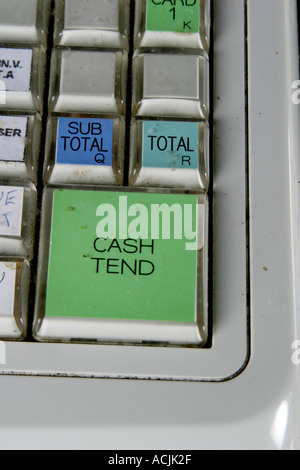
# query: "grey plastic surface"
{"points": [[229, 352], [96, 86], [260, 408], [225, 358], [170, 84], [24, 22], [92, 23]]}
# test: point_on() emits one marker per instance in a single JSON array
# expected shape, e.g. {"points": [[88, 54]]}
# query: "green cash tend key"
{"points": [[124, 267], [95, 273]]}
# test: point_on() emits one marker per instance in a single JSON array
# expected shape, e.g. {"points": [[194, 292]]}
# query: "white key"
{"points": [[14, 288], [92, 23], [22, 73], [88, 82], [171, 85], [20, 146], [17, 220], [11, 211], [24, 21]]}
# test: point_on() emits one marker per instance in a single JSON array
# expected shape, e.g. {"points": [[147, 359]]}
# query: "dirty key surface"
{"points": [[115, 273], [115, 265]]}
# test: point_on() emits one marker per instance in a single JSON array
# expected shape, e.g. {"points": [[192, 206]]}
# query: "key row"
{"points": [[87, 82], [85, 145], [18, 207], [95, 81], [163, 83], [91, 151], [23, 43], [102, 23]]}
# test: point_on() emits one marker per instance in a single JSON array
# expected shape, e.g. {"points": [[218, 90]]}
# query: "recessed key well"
{"points": [[115, 266]]}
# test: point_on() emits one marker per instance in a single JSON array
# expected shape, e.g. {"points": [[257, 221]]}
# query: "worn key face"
{"points": [[24, 21], [11, 210], [92, 23], [14, 286], [171, 85], [13, 130], [117, 273], [173, 24], [89, 82], [7, 288], [172, 154], [17, 220], [16, 69], [19, 146], [87, 151], [20, 86]]}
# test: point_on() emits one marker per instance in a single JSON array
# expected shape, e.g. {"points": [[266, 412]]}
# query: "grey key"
{"points": [[24, 21], [175, 85], [88, 82], [92, 23]]}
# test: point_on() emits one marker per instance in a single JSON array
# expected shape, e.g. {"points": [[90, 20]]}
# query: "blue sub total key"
{"points": [[170, 154], [87, 151]]}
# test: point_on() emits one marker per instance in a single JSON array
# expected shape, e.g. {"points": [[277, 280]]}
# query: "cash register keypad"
{"points": [[120, 117]]}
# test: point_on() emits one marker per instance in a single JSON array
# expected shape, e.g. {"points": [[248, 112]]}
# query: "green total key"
{"points": [[178, 16]]}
